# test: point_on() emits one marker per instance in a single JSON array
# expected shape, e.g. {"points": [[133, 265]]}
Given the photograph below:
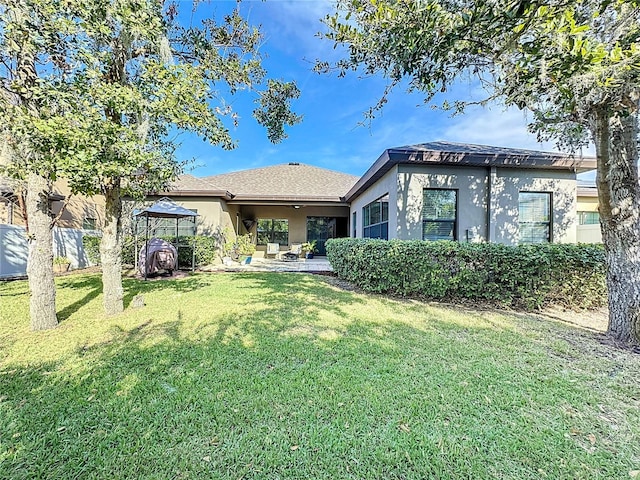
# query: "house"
{"points": [[451, 191], [78, 211], [429, 191], [76, 215], [284, 204], [588, 215]]}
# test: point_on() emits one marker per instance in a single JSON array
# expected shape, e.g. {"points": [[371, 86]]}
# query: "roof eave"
{"points": [[286, 199], [196, 193], [396, 156], [381, 166]]}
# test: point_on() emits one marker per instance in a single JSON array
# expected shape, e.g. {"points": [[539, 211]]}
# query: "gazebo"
{"points": [[164, 208]]}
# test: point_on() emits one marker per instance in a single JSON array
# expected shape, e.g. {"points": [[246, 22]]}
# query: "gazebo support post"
{"points": [[146, 248]]}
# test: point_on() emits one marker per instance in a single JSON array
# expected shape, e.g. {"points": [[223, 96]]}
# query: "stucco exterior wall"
{"points": [[505, 187], [214, 215], [587, 204], [471, 185], [386, 185], [297, 218], [487, 200], [588, 233], [77, 209]]}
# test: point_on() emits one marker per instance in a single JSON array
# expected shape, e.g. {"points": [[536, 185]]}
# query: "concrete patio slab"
{"points": [[319, 264]]}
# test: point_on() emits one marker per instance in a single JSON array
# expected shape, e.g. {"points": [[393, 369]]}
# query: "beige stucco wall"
{"points": [[215, 217], [297, 218], [471, 185], [588, 233], [587, 204], [78, 207], [506, 185], [10, 213]]}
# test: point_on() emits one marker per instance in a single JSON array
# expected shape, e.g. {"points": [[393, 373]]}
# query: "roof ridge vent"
{"points": [[294, 163]]}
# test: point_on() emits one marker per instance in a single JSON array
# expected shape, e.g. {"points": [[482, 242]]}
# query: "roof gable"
{"points": [[286, 182]]}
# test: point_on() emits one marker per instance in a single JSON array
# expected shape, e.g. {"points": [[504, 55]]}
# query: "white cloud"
{"points": [[293, 25]]}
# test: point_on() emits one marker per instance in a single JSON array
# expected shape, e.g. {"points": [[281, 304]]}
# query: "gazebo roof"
{"points": [[166, 208]]}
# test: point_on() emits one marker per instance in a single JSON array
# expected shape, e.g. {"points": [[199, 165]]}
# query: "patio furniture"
{"points": [[293, 253], [272, 249]]}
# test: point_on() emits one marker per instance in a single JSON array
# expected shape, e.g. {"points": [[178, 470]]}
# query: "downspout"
{"points": [[491, 207]]}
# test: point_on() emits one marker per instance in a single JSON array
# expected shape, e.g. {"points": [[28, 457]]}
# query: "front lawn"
{"points": [[286, 376]]}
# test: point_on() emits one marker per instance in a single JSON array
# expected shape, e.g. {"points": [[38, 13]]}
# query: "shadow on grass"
{"points": [[378, 400], [134, 286]]}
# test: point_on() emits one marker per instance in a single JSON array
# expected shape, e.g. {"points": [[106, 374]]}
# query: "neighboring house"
{"points": [[80, 212], [80, 215], [450, 191], [588, 216]]}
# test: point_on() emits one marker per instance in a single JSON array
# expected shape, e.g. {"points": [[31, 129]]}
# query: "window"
{"points": [[588, 218], [534, 217], [272, 230], [375, 219], [353, 226], [439, 214], [89, 223]]}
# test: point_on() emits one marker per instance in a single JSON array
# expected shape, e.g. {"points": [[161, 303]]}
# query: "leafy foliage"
{"points": [[113, 84], [97, 93], [206, 250], [559, 59], [575, 65], [91, 245], [526, 276], [240, 245]]}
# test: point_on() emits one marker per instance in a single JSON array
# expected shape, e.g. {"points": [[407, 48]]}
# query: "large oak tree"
{"points": [[107, 87], [575, 64]]}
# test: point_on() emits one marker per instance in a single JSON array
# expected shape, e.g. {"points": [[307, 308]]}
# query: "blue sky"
{"points": [[329, 135]]}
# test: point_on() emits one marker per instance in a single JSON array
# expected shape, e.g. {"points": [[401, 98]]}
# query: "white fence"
{"points": [[67, 242]]}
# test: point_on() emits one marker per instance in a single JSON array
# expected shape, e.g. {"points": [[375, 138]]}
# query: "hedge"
{"points": [[524, 276], [206, 249]]}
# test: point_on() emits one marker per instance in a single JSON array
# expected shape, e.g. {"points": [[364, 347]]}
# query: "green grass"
{"points": [[285, 376]]}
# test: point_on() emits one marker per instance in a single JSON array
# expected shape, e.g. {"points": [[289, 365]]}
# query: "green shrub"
{"points": [[525, 276], [91, 245]]}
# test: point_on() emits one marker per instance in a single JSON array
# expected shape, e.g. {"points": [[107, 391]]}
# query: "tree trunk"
{"points": [[111, 251], [40, 260], [619, 205]]}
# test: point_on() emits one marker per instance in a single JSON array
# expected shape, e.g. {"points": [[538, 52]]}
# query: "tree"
{"points": [[29, 120], [574, 64], [137, 78]]}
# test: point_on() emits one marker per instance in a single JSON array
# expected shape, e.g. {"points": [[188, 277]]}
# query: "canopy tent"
{"points": [[164, 208]]}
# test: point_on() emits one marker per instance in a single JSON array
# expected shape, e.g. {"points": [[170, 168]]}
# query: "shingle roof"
{"points": [[464, 154], [189, 185], [286, 182], [587, 190]]}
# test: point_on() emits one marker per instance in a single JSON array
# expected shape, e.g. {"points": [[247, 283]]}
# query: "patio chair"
{"points": [[272, 249], [293, 253]]}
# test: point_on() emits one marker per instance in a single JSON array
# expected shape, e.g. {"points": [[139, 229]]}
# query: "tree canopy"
{"points": [[97, 92], [575, 64]]}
